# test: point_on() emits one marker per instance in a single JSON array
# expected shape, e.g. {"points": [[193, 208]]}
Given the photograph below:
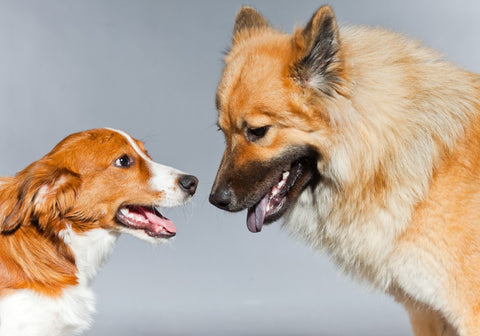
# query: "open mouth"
{"points": [[277, 200], [146, 218]]}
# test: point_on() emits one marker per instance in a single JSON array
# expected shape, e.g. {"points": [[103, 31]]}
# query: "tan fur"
{"points": [[75, 185], [397, 130]]}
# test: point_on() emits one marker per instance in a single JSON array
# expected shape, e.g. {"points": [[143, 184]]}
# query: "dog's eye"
{"points": [[254, 134], [124, 161]]}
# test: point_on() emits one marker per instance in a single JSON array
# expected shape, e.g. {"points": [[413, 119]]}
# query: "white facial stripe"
{"points": [[164, 178], [132, 143], [155, 167]]}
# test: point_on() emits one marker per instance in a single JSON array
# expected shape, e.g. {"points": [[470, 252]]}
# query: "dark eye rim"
{"points": [[253, 134], [124, 161]]}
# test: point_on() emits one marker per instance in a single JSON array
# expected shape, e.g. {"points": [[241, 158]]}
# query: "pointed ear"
{"points": [[248, 20], [42, 194], [319, 66]]}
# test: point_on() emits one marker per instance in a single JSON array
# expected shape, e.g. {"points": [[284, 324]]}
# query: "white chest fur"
{"points": [[27, 313], [91, 250]]}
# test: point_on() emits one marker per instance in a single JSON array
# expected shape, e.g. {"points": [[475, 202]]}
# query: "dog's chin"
{"points": [[283, 193], [145, 223], [142, 235]]}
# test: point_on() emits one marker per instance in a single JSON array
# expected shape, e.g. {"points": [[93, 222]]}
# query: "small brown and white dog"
{"points": [[368, 144], [60, 218]]}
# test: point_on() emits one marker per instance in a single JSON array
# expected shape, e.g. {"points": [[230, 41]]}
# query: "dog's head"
{"points": [[100, 178], [273, 102]]}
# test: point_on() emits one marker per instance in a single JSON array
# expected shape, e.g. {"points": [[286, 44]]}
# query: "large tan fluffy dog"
{"points": [[369, 146]]}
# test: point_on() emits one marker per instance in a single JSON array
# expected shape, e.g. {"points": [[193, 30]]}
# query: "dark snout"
{"points": [[221, 197], [236, 188]]}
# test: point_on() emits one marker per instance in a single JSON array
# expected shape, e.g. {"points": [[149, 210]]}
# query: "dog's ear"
{"points": [[319, 65], [41, 194], [247, 21]]}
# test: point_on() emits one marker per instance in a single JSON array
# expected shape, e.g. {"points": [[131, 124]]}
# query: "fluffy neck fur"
{"points": [[392, 136]]}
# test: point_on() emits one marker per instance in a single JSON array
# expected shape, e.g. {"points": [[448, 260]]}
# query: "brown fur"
{"points": [[75, 184], [395, 128]]}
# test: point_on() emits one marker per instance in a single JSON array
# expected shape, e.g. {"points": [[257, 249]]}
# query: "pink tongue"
{"points": [[158, 223], [256, 215]]}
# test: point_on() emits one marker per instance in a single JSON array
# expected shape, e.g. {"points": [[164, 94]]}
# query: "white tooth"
{"points": [[285, 175], [124, 211]]}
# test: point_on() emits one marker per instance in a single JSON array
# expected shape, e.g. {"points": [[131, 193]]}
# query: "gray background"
{"points": [[151, 69]]}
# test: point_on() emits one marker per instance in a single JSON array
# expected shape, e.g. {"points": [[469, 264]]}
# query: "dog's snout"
{"points": [[188, 183], [221, 198]]}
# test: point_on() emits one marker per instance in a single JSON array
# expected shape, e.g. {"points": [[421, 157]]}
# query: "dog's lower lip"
{"points": [[146, 218], [165, 235]]}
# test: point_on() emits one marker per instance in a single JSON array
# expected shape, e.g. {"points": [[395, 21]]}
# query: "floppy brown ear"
{"points": [[319, 66], [248, 20], [41, 194], [9, 212]]}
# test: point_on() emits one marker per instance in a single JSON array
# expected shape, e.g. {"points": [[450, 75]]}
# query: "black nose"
{"points": [[221, 198], [188, 183]]}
